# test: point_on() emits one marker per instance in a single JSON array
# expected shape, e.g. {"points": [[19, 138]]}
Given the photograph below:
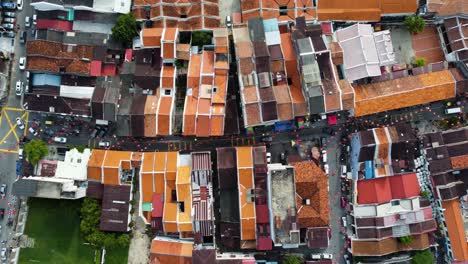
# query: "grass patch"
{"points": [[116, 256], [55, 226]]}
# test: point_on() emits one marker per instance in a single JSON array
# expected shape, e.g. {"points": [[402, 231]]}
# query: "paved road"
{"points": [[9, 132]]}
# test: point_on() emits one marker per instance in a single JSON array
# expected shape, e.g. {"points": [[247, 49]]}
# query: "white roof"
{"points": [[384, 45], [92, 27], [112, 6], [359, 51], [77, 92], [74, 166], [241, 34], [273, 38]]}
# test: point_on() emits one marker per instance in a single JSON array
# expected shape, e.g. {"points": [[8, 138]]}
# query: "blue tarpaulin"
{"points": [[369, 172], [46, 79], [284, 126]]}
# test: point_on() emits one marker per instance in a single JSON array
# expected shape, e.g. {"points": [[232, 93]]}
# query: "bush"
{"points": [[415, 24], [292, 259], [35, 150], [125, 29], [201, 38], [424, 194], [419, 62], [406, 240], [423, 257]]}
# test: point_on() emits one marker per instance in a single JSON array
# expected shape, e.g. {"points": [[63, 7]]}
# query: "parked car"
{"points": [[324, 155], [267, 139], [34, 19], [2, 213], [9, 34], [8, 5], [20, 123], [23, 37], [19, 4], [22, 63], [8, 26], [268, 157], [104, 144], [33, 131], [326, 168], [3, 190], [19, 88], [60, 139], [315, 256], [20, 153], [49, 132], [3, 254], [9, 20], [9, 14], [327, 256], [27, 21], [228, 21], [344, 222]]}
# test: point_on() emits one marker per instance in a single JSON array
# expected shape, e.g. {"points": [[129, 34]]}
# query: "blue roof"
{"points": [[270, 25], [46, 79], [369, 173]]}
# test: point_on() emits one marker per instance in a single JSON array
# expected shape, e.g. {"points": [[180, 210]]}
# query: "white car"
{"points": [[327, 256], [27, 21], [9, 20], [344, 222], [326, 168], [19, 4], [104, 144], [3, 254], [19, 122], [268, 157], [19, 88], [324, 156], [22, 63], [32, 131], [60, 139], [34, 19]]}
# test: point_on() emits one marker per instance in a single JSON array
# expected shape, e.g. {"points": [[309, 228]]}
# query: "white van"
{"points": [[454, 110], [343, 170], [20, 153]]}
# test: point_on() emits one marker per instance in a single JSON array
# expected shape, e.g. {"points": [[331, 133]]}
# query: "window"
{"points": [[283, 10], [215, 89], [167, 91], [314, 2], [181, 207], [173, 196], [395, 203]]}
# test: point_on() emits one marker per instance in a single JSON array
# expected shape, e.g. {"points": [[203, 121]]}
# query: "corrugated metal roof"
{"points": [[46, 79]]}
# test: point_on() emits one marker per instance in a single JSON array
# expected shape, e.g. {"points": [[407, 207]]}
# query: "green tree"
{"points": [[424, 194], [291, 259], [123, 240], [35, 150], [125, 29], [415, 24], [419, 62], [406, 240], [200, 38], [424, 257]]}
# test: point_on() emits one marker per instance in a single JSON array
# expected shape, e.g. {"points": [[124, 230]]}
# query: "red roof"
{"points": [[61, 25], [382, 190], [157, 205], [326, 28], [96, 68], [332, 120], [264, 243], [261, 211]]}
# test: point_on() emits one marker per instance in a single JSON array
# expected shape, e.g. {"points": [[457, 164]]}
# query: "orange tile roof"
{"points": [[147, 162], [160, 159], [147, 183], [164, 115], [244, 157], [403, 92], [169, 51], [252, 113], [190, 111], [388, 245], [456, 229], [250, 94], [245, 184], [150, 115], [217, 125], [208, 62], [111, 176], [95, 163], [170, 34], [151, 37], [459, 162], [168, 77], [220, 81], [114, 158], [311, 183], [165, 251], [203, 126]]}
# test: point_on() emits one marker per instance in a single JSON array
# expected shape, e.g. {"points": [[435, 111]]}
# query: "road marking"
{"points": [[13, 109], [12, 129], [9, 151], [26, 124]]}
